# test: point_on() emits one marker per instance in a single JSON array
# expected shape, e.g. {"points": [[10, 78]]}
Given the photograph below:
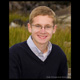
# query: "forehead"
{"points": [[43, 19]]}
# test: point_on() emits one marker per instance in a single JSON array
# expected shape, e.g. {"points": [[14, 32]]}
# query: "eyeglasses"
{"points": [[39, 27]]}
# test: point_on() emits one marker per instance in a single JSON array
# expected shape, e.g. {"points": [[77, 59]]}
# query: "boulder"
{"points": [[64, 18], [14, 25], [18, 23], [63, 11]]}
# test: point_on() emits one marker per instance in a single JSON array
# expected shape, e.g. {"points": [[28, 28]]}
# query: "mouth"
{"points": [[42, 37]]}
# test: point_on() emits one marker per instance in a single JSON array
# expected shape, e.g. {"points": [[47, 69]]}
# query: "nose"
{"points": [[42, 30]]}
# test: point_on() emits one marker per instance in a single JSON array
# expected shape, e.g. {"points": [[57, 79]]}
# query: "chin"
{"points": [[42, 43]]}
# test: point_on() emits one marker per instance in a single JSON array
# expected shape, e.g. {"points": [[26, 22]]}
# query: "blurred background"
{"points": [[20, 10], [18, 18]]}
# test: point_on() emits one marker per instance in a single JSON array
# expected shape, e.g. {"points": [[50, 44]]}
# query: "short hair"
{"points": [[42, 10]]}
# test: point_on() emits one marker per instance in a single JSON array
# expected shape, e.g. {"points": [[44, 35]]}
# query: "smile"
{"points": [[42, 37]]}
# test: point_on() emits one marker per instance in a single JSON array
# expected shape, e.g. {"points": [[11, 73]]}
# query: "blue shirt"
{"points": [[36, 51]]}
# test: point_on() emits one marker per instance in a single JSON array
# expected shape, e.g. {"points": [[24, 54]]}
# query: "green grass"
{"points": [[17, 34], [62, 37]]}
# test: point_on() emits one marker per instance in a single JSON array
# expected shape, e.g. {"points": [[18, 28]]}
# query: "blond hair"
{"points": [[42, 10]]}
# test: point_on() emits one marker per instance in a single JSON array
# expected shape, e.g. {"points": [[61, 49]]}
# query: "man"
{"points": [[38, 58]]}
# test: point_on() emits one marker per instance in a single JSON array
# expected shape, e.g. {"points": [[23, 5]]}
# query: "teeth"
{"points": [[42, 37]]}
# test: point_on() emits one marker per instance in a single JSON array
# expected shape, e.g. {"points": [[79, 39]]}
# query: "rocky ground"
{"points": [[62, 10], [27, 6]]}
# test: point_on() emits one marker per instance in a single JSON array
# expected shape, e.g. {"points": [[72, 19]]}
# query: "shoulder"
{"points": [[58, 51], [56, 47], [17, 47], [17, 51]]}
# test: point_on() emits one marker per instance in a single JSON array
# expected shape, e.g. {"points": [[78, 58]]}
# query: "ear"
{"points": [[54, 29], [29, 27]]}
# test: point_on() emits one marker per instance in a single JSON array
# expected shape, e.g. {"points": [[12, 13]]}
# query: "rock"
{"points": [[67, 19], [14, 25], [18, 23], [64, 11], [27, 6], [64, 18], [14, 6]]}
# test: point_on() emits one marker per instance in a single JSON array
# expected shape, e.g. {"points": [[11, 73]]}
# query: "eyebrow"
{"points": [[45, 24]]}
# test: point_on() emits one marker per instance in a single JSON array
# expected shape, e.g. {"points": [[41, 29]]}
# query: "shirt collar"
{"points": [[34, 48], [32, 45]]}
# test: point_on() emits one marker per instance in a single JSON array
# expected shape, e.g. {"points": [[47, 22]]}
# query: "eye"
{"points": [[37, 25], [48, 26]]}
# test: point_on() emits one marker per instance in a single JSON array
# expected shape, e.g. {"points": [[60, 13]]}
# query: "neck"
{"points": [[42, 47]]}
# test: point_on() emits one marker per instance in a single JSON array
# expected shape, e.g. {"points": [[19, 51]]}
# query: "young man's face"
{"points": [[41, 29]]}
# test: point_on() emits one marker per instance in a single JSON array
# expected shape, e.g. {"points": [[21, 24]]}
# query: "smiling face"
{"points": [[41, 35]]}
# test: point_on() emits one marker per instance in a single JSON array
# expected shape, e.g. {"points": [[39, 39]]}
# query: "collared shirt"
{"points": [[36, 51]]}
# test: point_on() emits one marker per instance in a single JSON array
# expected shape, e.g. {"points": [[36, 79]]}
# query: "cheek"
{"points": [[50, 32], [33, 31]]}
